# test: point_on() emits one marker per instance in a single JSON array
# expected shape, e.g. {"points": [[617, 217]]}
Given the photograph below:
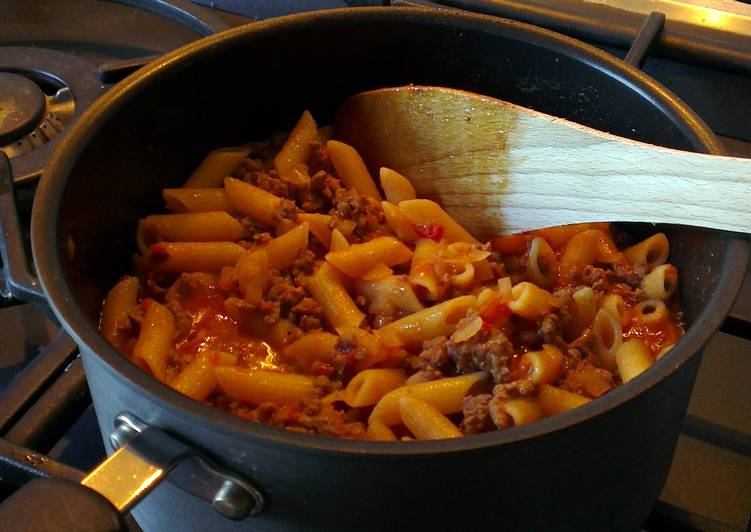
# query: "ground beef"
{"points": [[476, 411], [551, 330], [347, 353], [286, 210], [252, 171], [319, 161], [307, 314], [425, 375], [364, 211], [513, 389], [631, 275], [586, 378], [311, 416], [488, 350]]}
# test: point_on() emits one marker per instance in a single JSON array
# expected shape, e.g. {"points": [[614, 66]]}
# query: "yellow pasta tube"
{"points": [[438, 320], [282, 251], [377, 431], [633, 358], [650, 312], [359, 259], [117, 305], [555, 400], [192, 256], [155, 340], [338, 241], [197, 380], [189, 227], [583, 311], [398, 222], [251, 200], [314, 347], [447, 395], [319, 226], [617, 307], [542, 264], [422, 211], [351, 169], [262, 386], [326, 288], [608, 338], [395, 186], [367, 387], [181, 200], [296, 149], [545, 365], [217, 165], [422, 268], [661, 283], [252, 270], [530, 301], [559, 235], [425, 421], [523, 410], [650, 252]]}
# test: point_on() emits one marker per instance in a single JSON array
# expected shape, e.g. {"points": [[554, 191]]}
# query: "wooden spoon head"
{"points": [[451, 144]]}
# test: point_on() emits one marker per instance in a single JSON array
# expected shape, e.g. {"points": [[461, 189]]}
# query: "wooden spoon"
{"points": [[500, 168]]}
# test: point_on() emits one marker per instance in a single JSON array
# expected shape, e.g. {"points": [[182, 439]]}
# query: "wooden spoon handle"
{"points": [[500, 168]]}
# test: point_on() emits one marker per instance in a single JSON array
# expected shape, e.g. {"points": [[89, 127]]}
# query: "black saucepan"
{"points": [[600, 467]]}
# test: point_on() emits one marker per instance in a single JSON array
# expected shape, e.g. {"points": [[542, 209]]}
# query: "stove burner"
{"points": [[41, 92], [21, 106]]}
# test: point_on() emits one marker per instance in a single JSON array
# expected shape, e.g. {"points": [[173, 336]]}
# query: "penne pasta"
{"points": [[650, 312], [252, 270], [253, 201], [370, 385], [182, 200], [283, 250], [191, 256], [189, 227], [422, 268], [298, 145], [315, 347], [608, 337], [523, 411], [633, 358], [530, 301], [425, 421], [262, 386], [617, 307], [377, 431], [661, 283], [429, 323], [402, 227], [359, 259], [197, 380], [545, 365], [650, 252], [446, 395], [117, 305], [556, 401], [217, 165], [326, 288], [422, 211], [395, 186], [319, 226], [155, 339], [542, 264], [351, 169], [584, 308]]}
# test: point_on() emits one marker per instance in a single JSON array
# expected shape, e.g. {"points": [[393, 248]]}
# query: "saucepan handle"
{"points": [[144, 457], [18, 281]]}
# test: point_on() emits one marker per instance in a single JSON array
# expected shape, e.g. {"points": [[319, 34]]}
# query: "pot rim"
{"points": [[54, 180]]}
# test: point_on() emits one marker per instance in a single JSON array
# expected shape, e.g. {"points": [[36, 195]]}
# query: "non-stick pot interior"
{"points": [[247, 84]]}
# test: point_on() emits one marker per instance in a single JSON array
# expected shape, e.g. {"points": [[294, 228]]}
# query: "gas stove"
{"points": [[56, 58]]}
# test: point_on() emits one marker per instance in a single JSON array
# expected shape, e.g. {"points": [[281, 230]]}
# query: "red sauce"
{"points": [[431, 231]]}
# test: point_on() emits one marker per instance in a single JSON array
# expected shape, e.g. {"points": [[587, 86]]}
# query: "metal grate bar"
{"points": [[54, 413], [647, 37], [37, 376]]}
